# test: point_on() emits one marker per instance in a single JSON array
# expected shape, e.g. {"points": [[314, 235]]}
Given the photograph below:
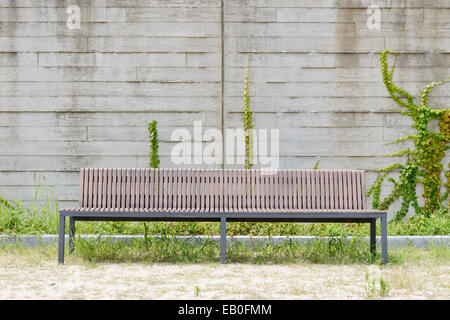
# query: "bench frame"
{"points": [[223, 218]]}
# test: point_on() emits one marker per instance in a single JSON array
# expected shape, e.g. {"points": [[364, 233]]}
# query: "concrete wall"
{"points": [[83, 98]]}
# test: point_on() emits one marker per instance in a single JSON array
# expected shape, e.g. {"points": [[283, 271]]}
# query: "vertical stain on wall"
{"points": [[222, 75], [347, 46]]}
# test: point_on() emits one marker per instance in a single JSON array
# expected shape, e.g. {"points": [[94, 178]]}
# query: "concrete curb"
{"points": [[393, 241]]}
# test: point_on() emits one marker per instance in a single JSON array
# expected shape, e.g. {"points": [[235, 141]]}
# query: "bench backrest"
{"points": [[220, 190]]}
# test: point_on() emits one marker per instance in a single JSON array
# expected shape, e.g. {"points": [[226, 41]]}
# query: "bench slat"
{"points": [[355, 199], [363, 191]]}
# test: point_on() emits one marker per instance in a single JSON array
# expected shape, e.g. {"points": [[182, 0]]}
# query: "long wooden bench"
{"points": [[222, 195]]}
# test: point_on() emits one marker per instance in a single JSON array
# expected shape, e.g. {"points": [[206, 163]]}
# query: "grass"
{"points": [[38, 217], [41, 217], [168, 249], [19, 218], [171, 250], [376, 286]]}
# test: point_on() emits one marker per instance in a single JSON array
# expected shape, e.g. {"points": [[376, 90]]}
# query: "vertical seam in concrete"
{"points": [[222, 81]]}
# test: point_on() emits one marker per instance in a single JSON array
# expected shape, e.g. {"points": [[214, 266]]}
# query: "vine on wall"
{"points": [[247, 119], [154, 147], [423, 163]]}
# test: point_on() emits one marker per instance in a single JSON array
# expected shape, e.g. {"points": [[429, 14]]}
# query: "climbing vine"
{"points": [[423, 163], [153, 137], [247, 119]]}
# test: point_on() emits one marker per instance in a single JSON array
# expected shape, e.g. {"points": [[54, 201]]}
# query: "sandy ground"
{"points": [[37, 276]]}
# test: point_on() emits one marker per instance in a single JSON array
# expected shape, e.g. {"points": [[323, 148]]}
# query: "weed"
{"points": [[154, 146], [375, 284]]}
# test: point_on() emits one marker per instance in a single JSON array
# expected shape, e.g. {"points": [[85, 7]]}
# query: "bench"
{"points": [[222, 195]]}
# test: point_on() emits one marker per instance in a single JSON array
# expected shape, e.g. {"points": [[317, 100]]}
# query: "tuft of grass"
{"points": [[151, 250], [316, 165], [5, 203], [376, 286], [40, 216]]}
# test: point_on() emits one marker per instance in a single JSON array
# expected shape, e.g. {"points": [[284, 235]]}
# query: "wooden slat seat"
{"points": [[234, 194], [76, 209], [225, 190]]}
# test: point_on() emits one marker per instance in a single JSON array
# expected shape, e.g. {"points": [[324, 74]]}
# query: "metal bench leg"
{"points": [[71, 233], [62, 223], [384, 244], [223, 240], [373, 237]]}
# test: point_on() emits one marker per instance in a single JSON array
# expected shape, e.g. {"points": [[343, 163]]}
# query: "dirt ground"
{"points": [[37, 276]]}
